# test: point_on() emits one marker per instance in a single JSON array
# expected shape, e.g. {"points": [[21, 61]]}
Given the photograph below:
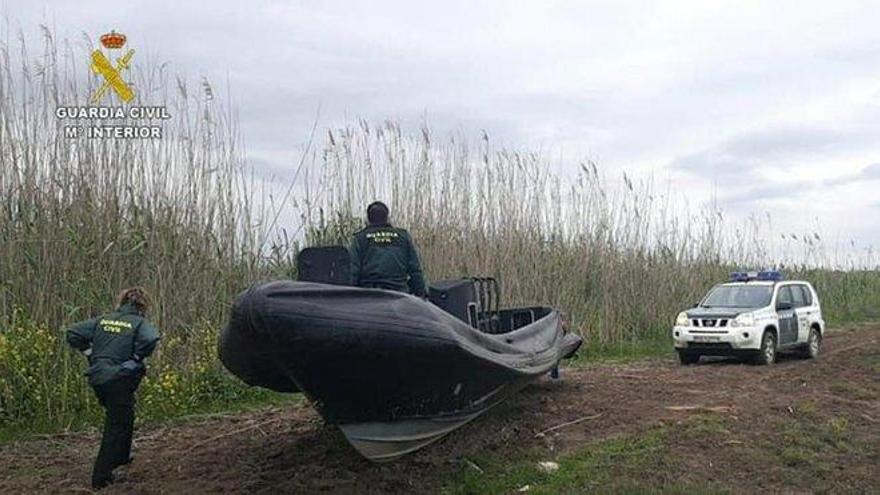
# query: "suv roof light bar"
{"points": [[764, 275]]}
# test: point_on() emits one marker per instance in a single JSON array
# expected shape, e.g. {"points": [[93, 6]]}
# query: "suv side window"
{"points": [[797, 294], [784, 295], [808, 295]]}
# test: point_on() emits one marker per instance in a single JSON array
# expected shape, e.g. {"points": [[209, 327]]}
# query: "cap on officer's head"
{"points": [[377, 213]]}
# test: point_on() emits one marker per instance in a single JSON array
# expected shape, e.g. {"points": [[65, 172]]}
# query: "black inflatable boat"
{"points": [[393, 371]]}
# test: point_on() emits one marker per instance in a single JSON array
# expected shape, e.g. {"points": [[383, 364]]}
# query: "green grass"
{"points": [[852, 391], [244, 399], [43, 388], [592, 352], [801, 453], [874, 363], [811, 450], [624, 464]]}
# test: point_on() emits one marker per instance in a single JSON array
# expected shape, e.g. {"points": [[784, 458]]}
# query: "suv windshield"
{"points": [[738, 296]]}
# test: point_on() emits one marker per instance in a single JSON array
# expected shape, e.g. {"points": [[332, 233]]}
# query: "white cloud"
{"points": [[869, 173]]}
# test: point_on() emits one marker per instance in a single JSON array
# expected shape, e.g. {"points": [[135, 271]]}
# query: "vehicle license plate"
{"points": [[706, 338]]}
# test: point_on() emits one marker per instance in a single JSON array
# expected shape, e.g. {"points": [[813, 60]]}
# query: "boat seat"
{"points": [[471, 300], [326, 265]]}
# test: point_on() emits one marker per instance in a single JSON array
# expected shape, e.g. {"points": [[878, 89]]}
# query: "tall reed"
{"points": [[621, 257], [82, 218]]}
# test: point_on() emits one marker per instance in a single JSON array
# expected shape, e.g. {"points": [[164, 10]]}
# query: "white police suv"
{"points": [[756, 314]]}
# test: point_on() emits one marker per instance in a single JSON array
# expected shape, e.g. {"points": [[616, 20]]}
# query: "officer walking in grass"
{"points": [[384, 257], [116, 345]]}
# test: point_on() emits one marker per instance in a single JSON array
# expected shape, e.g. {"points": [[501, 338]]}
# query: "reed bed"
{"points": [[80, 219], [184, 217], [619, 256]]}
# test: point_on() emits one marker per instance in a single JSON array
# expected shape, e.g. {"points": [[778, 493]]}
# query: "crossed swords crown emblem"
{"points": [[101, 65]]}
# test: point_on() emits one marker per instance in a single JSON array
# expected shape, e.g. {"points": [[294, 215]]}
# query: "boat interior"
{"points": [[474, 300]]}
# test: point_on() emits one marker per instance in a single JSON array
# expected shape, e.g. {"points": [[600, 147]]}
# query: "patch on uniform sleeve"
{"points": [[114, 326]]}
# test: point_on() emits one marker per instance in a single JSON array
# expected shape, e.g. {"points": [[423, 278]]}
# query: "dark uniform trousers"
{"points": [[117, 398]]}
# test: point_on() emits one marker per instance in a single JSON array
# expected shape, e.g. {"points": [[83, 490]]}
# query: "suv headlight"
{"points": [[682, 320], [743, 320]]}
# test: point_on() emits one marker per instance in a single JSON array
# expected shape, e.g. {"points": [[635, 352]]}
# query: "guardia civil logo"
{"points": [[112, 74], [101, 119]]}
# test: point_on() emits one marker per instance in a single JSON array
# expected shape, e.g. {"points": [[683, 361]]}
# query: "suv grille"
{"points": [[709, 322]]}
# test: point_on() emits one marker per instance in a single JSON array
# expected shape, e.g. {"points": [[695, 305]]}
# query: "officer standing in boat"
{"points": [[384, 256], [116, 345]]}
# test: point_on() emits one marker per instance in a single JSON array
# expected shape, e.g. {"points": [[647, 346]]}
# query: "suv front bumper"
{"points": [[717, 340]]}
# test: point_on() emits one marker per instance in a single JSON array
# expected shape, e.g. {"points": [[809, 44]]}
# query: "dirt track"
{"points": [[760, 408]]}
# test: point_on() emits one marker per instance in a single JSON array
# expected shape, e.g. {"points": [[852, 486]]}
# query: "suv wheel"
{"points": [[688, 357], [814, 344], [767, 354]]}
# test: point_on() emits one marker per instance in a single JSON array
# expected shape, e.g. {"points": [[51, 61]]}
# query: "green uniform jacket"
{"points": [[119, 341], [384, 256]]}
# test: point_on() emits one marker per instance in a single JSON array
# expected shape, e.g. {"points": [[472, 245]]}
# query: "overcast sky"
{"points": [[760, 106]]}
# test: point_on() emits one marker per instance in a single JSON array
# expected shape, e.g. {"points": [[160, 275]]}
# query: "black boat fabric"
{"points": [[365, 355]]}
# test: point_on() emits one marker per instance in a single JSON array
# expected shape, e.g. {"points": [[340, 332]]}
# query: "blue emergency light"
{"points": [[765, 275]]}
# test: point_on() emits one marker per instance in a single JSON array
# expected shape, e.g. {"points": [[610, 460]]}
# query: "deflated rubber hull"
{"points": [[393, 371]]}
